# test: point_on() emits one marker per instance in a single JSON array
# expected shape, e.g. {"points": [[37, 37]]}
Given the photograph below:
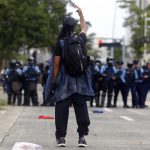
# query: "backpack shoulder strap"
{"points": [[62, 42]]}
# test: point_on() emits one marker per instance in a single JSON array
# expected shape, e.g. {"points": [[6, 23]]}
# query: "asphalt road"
{"points": [[114, 129]]}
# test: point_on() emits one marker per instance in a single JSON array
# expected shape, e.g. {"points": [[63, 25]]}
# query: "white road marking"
{"points": [[126, 118], [107, 109]]}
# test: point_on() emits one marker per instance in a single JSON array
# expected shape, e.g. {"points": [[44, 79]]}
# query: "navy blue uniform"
{"points": [[31, 74], [130, 77], [108, 74], [146, 83], [13, 76], [139, 87], [120, 87], [95, 70]]}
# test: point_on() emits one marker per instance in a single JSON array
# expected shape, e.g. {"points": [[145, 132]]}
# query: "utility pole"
{"points": [[123, 50], [114, 27]]}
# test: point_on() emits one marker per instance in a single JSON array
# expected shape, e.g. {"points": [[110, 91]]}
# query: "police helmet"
{"points": [[31, 59], [135, 62], [110, 59], [98, 60], [120, 62], [129, 64], [18, 63], [12, 63]]}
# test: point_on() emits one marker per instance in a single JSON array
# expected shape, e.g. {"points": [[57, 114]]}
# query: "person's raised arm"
{"points": [[82, 20]]}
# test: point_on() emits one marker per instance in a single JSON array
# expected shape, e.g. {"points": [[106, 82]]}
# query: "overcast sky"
{"points": [[101, 15]]}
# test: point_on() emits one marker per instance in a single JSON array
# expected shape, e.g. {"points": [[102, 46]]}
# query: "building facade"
{"points": [[143, 3]]}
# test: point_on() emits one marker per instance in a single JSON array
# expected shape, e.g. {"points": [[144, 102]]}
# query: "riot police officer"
{"points": [[108, 72], [120, 84], [139, 84], [96, 79], [31, 73], [44, 80], [146, 82], [13, 78], [130, 77], [93, 74]]}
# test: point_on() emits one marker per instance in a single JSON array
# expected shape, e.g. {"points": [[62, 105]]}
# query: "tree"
{"points": [[117, 53], [26, 24], [29, 23], [135, 21]]}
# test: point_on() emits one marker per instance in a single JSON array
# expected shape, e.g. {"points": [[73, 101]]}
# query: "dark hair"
{"points": [[66, 32], [68, 27]]}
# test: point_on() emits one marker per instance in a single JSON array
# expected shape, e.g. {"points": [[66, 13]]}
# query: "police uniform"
{"points": [[120, 84], [44, 80], [146, 82], [13, 76], [31, 73], [108, 73], [95, 71], [139, 84], [131, 76]]}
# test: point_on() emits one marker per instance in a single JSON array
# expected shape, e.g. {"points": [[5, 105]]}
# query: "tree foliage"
{"points": [[26, 24], [29, 23], [135, 21]]}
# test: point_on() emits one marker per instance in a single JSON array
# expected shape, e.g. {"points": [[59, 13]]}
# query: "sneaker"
{"points": [[126, 106], [82, 142], [61, 142]]}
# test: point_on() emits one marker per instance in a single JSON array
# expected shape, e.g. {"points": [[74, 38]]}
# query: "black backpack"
{"points": [[75, 59]]}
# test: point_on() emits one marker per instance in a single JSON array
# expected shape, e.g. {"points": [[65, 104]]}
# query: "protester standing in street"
{"points": [[69, 89]]}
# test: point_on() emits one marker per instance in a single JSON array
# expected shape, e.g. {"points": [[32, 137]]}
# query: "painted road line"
{"points": [[107, 109], [126, 118]]}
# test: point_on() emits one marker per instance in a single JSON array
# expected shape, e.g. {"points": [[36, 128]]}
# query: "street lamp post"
{"points": [[123, 50]]}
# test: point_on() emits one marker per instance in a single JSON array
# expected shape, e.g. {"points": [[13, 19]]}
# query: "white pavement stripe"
{"points": [[107, 109], [126, 118]]}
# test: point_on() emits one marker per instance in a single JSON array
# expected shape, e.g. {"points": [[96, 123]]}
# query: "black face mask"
{"points": [[110, 64], [130, 66], [30, 63]]}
